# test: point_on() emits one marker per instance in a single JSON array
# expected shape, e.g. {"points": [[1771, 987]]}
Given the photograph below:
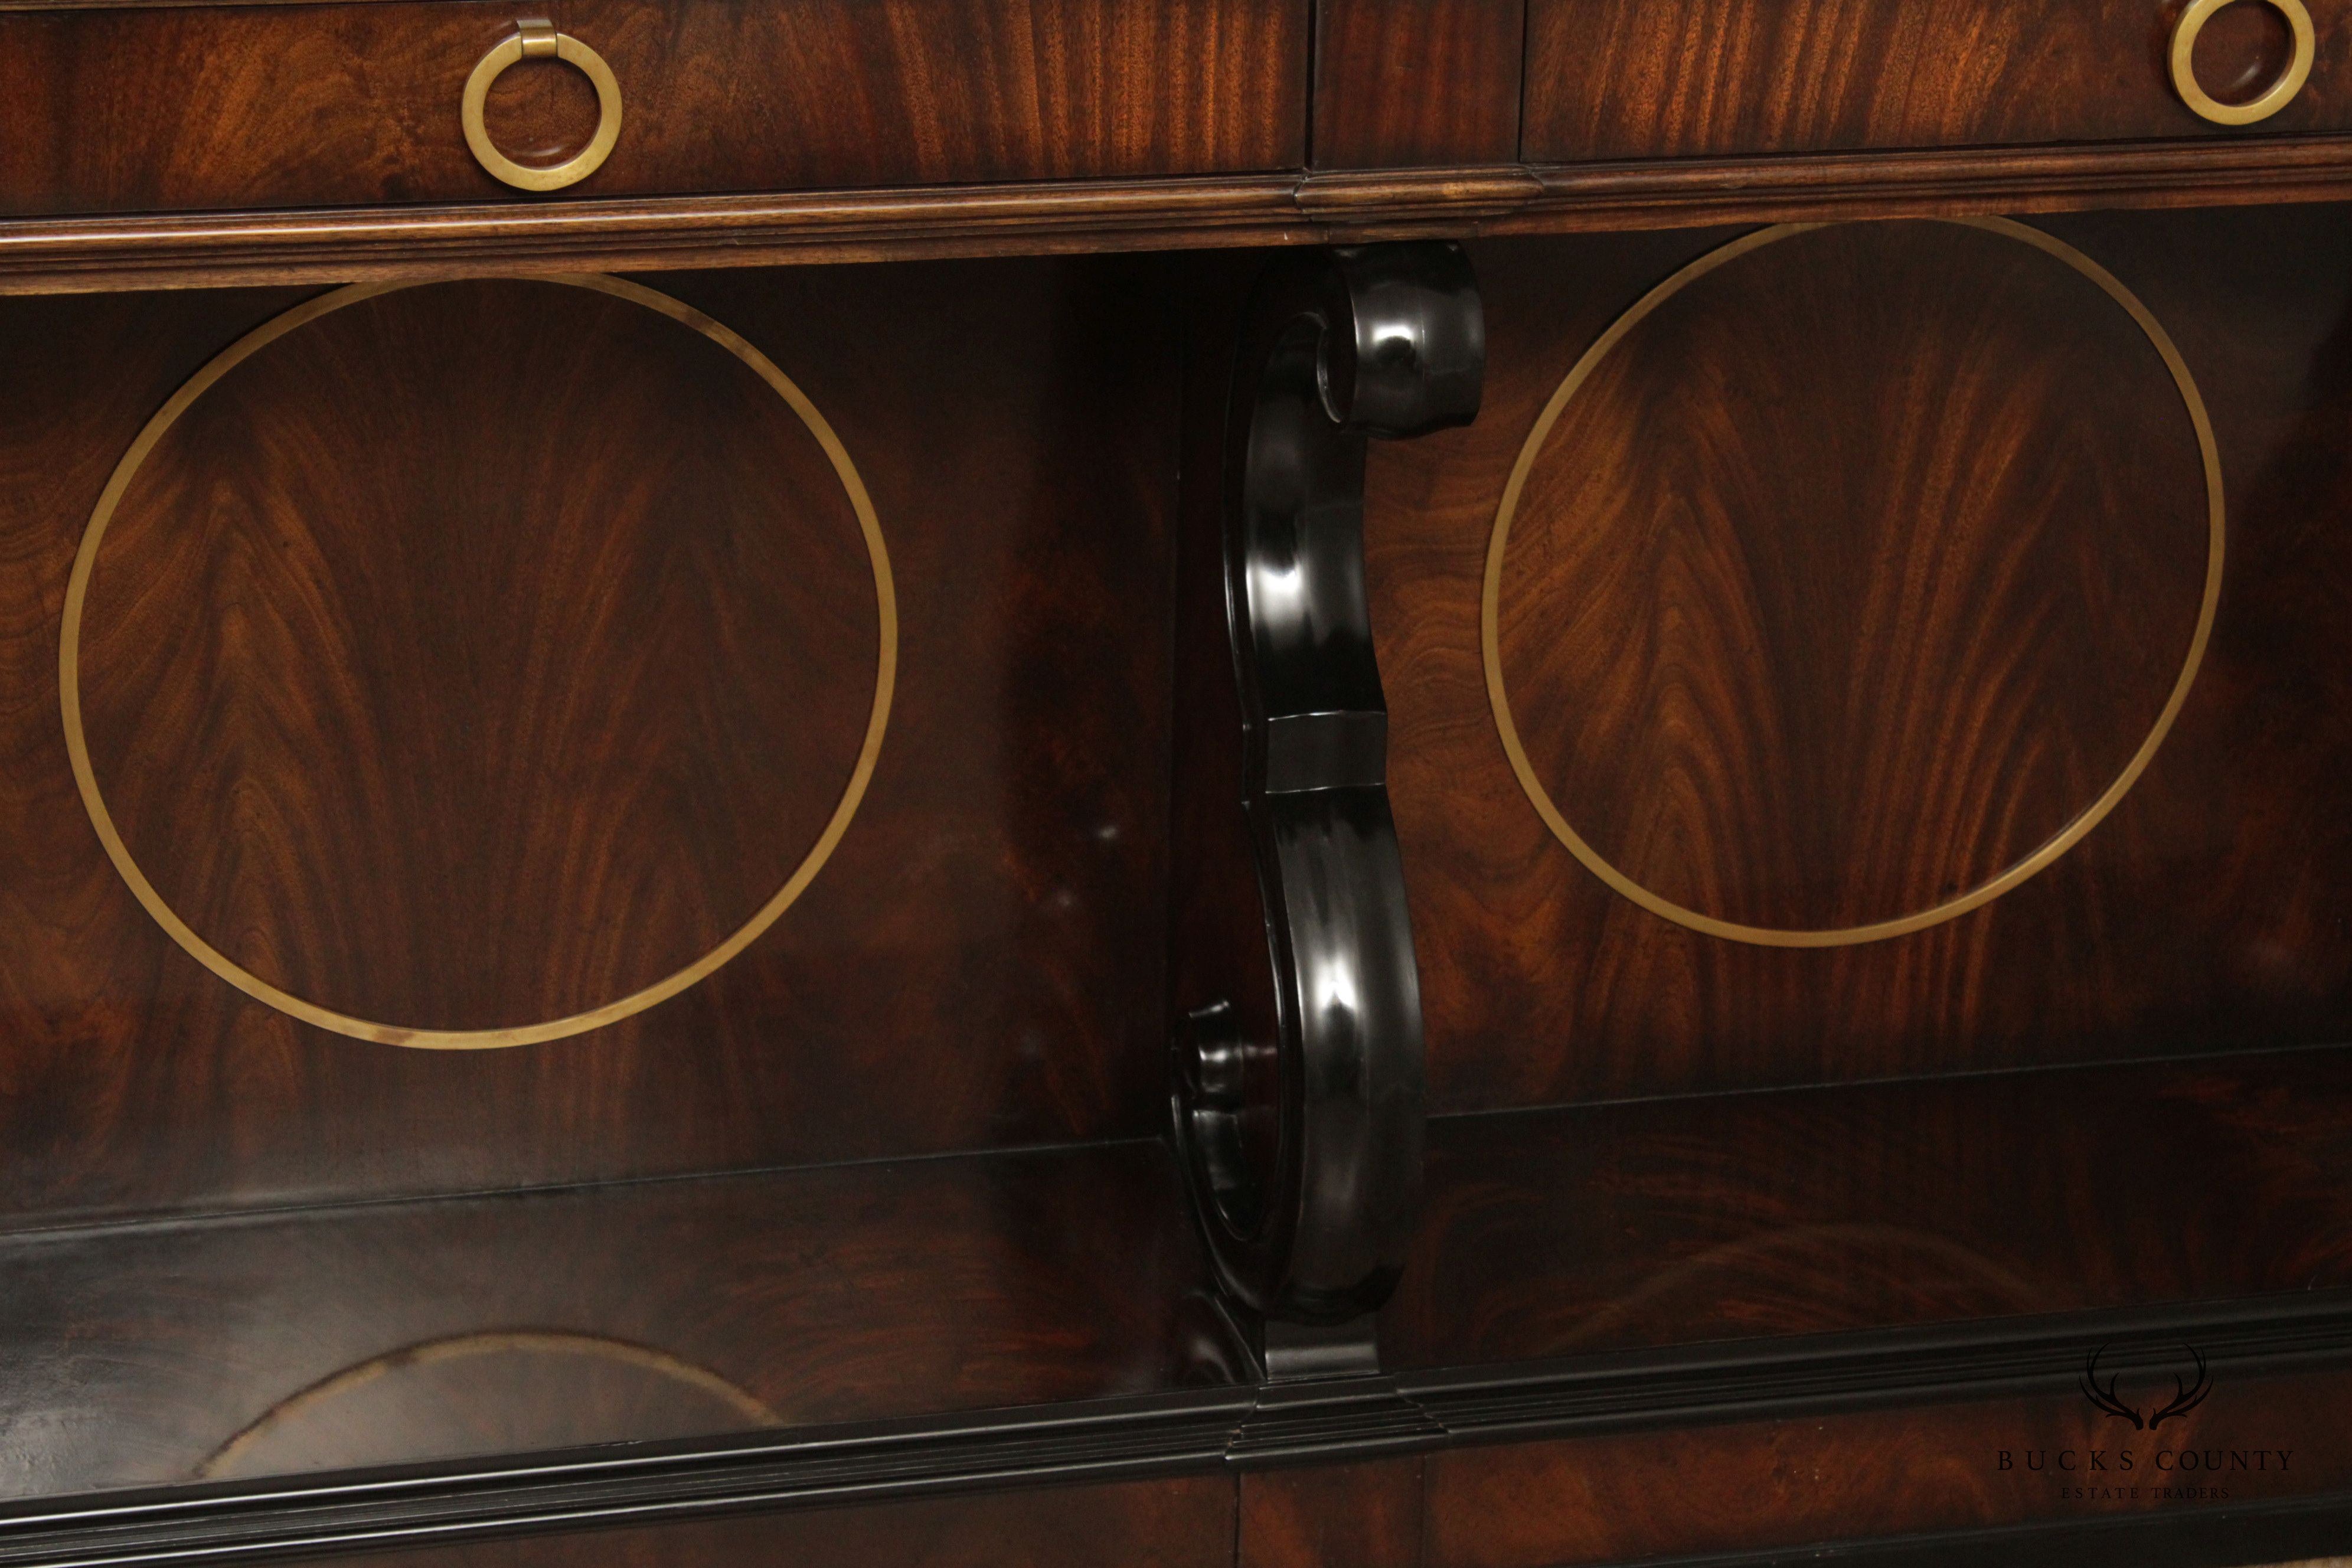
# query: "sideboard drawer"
{"points": [[1641, 79], [197, 107]]}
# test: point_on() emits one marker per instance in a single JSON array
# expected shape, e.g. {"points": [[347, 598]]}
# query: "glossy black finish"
{"points": [[1300, 1114], [1822, 1375], [1337, 1421]]}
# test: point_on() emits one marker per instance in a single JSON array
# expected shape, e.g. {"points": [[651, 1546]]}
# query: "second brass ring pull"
{"points": [[2274, 99], [539, 39]]}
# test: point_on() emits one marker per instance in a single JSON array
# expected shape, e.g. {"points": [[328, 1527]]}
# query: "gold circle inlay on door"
{"points": [[1852, 577], [477, 648]]}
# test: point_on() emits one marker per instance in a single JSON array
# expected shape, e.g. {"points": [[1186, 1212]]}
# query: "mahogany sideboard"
{"points": [[1460, 782]]}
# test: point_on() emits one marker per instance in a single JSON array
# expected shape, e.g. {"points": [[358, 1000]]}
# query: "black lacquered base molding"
{"points": [[1746, 1380], [1325, 1422]]}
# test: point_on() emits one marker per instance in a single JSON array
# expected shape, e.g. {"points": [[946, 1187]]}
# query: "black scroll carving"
{"points": [[1297, 1083]]}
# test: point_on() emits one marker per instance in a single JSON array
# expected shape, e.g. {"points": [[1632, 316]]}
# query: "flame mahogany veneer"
{"points": [[1631, 78], [1542, 986], [485, 649], [354, 104]]}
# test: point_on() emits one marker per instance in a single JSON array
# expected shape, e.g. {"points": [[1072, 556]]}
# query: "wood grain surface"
{"points": [[503, 1323], [1182, 1523], [1881, 1473], [1853, 575], [1680, 1221], [1639, 78], [977, 964], [478, 654], [174, 109], [1409, 83], [2208, 911], [1349, 1516]]}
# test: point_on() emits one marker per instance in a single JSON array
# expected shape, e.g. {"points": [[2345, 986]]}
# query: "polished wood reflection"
{"points": [[511, 1322], [1680, 1221], [495, 1391]]}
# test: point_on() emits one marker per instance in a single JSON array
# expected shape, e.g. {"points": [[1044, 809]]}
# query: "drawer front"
{"points": [[195, 107], [1631, 78], [1417, 83]]}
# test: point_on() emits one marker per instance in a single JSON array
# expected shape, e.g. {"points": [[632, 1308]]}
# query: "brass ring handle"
{"points": [[537, 40], [2274, 99]]}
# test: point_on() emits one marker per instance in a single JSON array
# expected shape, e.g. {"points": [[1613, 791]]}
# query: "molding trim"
{"points": [[1241, 1428], [1769, 1379], [64, 254], [621, 1484]]}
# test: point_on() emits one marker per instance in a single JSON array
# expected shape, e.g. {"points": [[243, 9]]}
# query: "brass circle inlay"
{"points": [[2272, 98], [2039, 859], [886, 669], [540, 39]]}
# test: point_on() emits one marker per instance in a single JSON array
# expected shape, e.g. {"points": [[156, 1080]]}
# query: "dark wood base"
{"points": [[1803, 1382]]}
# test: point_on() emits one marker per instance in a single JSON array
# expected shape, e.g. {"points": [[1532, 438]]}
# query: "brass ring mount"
{"points": [[2272, 99], [536, 39]]}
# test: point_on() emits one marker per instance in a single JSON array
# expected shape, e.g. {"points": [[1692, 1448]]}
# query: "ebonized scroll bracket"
{"points": [[1297, 1078]]}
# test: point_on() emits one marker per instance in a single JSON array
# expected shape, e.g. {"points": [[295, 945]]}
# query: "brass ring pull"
{"points": [[537, 40], [2274, 99]]}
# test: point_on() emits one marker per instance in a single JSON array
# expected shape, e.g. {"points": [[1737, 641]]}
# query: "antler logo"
{"points": [[2186, 1394]]}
